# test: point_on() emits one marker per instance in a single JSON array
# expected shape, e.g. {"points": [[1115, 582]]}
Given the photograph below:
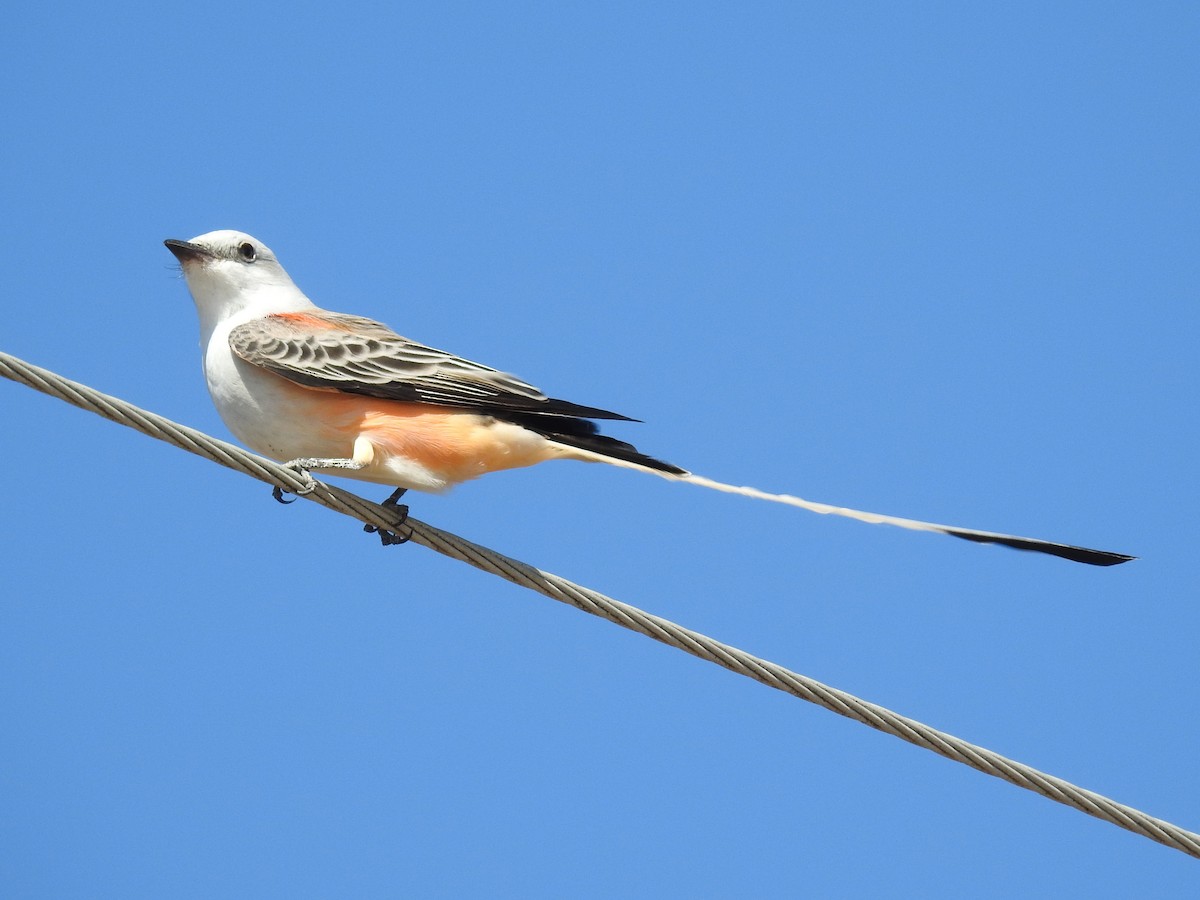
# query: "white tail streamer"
{"points": [[1064, 551]]}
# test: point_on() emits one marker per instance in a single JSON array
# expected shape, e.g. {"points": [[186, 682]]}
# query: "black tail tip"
{"points": [[1084, 555], [1096, 557]]}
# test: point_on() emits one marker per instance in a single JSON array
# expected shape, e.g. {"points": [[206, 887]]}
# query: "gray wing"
{"points": [[335, 351]]}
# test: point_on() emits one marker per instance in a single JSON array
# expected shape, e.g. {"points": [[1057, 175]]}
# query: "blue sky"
{"points": [[936, 261]]}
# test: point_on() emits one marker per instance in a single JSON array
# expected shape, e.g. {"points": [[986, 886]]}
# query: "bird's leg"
{"points": [[303, 464], [317, 462], [386, 537]]}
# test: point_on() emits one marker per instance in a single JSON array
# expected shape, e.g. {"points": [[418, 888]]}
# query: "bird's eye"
{"points": [[247, 252]]}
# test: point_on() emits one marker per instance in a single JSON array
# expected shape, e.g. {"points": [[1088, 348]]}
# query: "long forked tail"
{"points": [[674, 473], [1066, 551]]}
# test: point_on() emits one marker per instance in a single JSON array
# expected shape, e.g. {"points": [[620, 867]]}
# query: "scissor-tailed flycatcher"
{"points": [[326, 390]]}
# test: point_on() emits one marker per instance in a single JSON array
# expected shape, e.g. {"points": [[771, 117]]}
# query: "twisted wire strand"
{"points": [[597, 604]]}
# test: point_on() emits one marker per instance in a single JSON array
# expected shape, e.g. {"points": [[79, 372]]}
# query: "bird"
{"points": [[322, 390]]}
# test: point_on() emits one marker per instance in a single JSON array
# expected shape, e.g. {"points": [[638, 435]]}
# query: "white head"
{"points": [[230, 273]]}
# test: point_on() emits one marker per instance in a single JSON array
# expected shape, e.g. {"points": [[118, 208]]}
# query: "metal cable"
{"points": [[598, 604]]}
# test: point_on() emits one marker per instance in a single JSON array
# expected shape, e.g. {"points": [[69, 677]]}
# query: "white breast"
{"points": [[260, 408]]}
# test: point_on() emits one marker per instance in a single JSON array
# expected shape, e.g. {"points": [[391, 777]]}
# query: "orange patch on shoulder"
{"points": [[306, 320]]}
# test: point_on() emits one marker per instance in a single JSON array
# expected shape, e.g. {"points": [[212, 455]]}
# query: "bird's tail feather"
{"points": [[1065, 551]]}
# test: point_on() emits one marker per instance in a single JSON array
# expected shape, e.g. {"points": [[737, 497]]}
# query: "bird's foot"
{"points": [[388, 537], [300, 467]]}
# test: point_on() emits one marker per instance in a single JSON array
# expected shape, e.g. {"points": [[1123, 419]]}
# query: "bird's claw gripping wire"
{"points": [[388, 537], [277, 492]]}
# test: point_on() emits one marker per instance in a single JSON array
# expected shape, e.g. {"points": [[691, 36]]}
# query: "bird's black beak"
{"points": [[187, 252]]}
